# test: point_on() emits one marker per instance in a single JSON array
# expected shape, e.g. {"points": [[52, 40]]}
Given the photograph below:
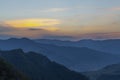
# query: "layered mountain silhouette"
{"points": [[7, 72], [109, 46], [39, 67], [111, 72], [75, 58]]}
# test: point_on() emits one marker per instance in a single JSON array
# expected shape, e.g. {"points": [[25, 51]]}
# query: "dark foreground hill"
{"points": [[39, 67], [7, 72]]}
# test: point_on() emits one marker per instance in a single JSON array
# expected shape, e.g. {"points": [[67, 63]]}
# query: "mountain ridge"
{"points": [[75, 58], [39, 67], [108, 45]]}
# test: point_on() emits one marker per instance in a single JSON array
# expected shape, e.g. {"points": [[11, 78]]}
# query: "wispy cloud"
{"points": [[58, 37], [110, 35], [55, 10], [35, 29], [115, 8]]}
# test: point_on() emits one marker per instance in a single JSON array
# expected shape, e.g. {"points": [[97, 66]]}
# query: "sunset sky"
{"points": [[60, 19]]}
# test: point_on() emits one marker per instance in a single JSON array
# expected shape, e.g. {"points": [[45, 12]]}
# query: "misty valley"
{"points": [[45, 59]]}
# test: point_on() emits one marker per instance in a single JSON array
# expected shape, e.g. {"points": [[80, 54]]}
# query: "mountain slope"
{"points": [[7, 72], [39, 67], [111, 72], [80, 59]]}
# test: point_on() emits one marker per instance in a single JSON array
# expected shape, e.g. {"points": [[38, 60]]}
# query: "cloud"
{"points": [[57, 37], [115, 9], [28, 23], [34, 24], [6, 36], [106, 35], [5, 28], [35, 29], [76, 27], [56, 10], [9, 31], [98, 26], [51, 29]]}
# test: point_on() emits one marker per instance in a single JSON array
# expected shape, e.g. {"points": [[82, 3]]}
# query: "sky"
{"points": [[60, 19]]}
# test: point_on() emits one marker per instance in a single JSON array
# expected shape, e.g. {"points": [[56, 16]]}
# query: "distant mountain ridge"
{"points": [[109, 46], [75, 58], [39, 67]]}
